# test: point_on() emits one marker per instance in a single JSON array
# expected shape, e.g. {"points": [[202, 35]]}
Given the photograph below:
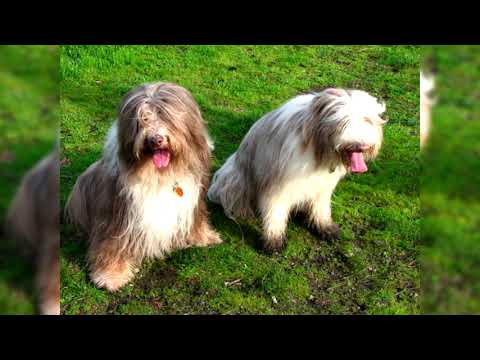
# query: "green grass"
{"points": [[450, 195], [372, 269], [28, 102]]}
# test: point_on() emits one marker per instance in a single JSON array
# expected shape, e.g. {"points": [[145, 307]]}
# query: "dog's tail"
{"points": [[77, 211], [72, 205], [229, 189]]}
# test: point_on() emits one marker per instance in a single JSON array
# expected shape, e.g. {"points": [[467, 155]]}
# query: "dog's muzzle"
{"points": [[157, 141]]}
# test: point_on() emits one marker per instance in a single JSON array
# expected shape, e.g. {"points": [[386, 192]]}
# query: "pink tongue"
{"points": [[357, 162], [161, 158]]}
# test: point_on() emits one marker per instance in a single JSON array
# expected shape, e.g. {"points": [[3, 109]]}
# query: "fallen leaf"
{"points": [[234, 282]]}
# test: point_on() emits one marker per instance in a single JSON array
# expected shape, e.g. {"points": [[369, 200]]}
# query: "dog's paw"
{"points": [[212, 238], [111, 284], [271, 247], [329, 232], [111, 280]]}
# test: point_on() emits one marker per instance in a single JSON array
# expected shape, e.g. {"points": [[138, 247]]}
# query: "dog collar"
{"points": [[177, 189]]}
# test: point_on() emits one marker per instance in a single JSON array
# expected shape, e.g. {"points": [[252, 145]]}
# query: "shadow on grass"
{"points": [[76, 250]]}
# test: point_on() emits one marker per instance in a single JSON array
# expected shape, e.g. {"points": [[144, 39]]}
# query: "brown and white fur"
{"points": [[427, 85], [33, 221], [127, 201], [293, 158]]}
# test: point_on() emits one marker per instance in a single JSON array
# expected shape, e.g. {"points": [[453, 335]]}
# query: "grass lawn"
{"points": [[450, 194], [28, 101], [372, 269]]}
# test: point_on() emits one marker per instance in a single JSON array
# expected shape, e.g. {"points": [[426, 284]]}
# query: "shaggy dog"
{"points": [[427, 84], [145, 197], [33, 221], [293, 157]]}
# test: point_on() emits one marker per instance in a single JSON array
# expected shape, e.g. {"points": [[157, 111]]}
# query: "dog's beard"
{"points": [[356, 151], [359, 142]]}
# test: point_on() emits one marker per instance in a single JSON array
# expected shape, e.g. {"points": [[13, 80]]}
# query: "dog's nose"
{"points": [[156, 140]]}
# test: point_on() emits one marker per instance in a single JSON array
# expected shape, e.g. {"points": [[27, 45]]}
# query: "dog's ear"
{"points": [[317, 129], [127, 127], [320, 106]]}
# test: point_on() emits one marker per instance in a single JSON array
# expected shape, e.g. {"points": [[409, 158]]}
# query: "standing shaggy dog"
{"points": [[293, 158], [145, 197], [33, 221]]}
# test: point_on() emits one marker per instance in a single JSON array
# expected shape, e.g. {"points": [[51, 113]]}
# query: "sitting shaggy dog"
{"points": [[33, 222], [293, 158], [145, 197]]}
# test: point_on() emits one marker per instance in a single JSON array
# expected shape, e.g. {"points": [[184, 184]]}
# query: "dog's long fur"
{"points": [[293, 157], [33, 222], [126, 204]]}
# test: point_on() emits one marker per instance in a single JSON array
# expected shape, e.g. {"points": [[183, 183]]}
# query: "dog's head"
{"points": [[345, 125], [160, 123]]}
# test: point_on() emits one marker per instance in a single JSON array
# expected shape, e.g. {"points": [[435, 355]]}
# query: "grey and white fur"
{"points": [[293, 158]]}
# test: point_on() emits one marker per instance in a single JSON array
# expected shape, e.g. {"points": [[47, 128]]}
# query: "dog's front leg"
{"points": [[275, 214], [202, 233], [109, 268], [321, 216]]}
